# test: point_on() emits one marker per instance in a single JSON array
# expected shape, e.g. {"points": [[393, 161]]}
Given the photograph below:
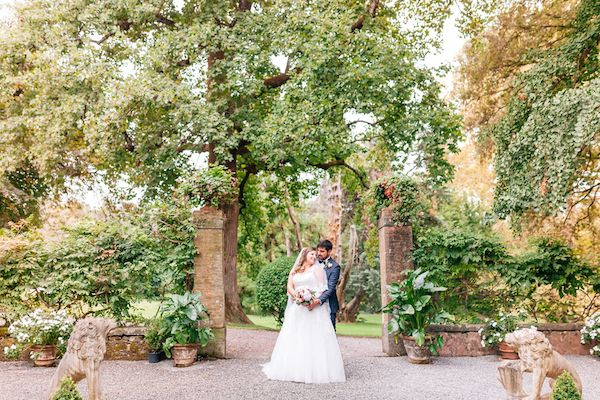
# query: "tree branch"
{"points": [[245, 5], [280, 80], [360, 21], [103, 39], [129, 145], [164, 20], [342, 163]]}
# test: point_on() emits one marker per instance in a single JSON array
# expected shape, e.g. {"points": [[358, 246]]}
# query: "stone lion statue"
{"points": [[85, 351], [537, 356]]}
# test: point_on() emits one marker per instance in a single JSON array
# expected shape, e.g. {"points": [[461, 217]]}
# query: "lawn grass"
{"points": [[368, 325]]}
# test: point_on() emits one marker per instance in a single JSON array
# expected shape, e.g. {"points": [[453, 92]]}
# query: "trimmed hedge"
{"points": [[271, 287]]}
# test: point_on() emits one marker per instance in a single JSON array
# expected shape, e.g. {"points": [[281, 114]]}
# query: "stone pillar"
{"points": [[209, 274], [395, 245]]}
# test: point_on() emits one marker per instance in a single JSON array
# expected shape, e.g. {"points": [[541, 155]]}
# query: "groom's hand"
{"points": [[314, 303]]}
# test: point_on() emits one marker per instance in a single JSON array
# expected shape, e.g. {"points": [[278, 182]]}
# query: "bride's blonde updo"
{"points": [[299, 265]]}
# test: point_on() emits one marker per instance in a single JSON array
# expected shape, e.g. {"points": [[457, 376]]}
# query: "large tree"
{"points": [[136, 90]]}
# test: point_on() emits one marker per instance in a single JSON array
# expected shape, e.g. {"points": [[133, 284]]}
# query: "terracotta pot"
{"points": [[46, 355], [184, 355], [507, 352], [417, 354]]}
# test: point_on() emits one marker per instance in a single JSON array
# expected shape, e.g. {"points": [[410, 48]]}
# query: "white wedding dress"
{"points": [[307, 349]]}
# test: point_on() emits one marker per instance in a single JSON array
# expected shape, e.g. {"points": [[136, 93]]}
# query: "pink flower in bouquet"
{"points": [[304, 296]]}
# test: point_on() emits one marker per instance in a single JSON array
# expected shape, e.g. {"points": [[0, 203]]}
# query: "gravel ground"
{"points": [[370, 375]]}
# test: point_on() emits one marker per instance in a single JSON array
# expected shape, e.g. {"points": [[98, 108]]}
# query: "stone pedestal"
{"points": [[395, 245], [209, 275]]}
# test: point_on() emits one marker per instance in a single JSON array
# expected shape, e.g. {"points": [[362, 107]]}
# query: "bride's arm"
{"points": [[290, 286]]}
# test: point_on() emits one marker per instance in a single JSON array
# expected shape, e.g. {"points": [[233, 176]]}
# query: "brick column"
{"points": [[209, 274], [395, 244]]}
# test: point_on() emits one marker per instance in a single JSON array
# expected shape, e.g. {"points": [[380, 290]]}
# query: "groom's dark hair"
{"points": [[325, 244]]}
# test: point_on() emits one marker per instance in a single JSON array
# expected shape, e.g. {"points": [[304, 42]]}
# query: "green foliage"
{"points": [[414, 306], [20, 194], [551, 263], [548, 140], [401, 193], [138, 102], [590, 333], [564, 388], [483, 278], [153, 336], [369, 280], [180, 316], [496, 329], [42, 327], [100, 266], [67, 390], [213, 187], [271, 287], [466, 263], [13, 352]]}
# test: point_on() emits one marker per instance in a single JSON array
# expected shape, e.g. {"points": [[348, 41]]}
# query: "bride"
{"points": [[307, 349]]}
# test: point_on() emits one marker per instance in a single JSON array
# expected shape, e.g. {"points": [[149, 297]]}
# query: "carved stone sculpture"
{"points": [[511, 377], [85, 351], [536, 356]]}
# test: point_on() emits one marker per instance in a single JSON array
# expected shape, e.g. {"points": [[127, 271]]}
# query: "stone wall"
{"points": [[127, 343], [464, 340]]}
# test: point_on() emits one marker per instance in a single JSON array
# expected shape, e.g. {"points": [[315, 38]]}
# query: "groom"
{"points": [[332, 270]]}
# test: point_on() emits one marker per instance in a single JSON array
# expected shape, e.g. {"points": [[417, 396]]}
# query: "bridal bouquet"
{"points": [[304, 296]]}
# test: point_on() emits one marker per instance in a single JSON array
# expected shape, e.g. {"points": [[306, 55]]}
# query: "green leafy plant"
{"points": [[564, 388], [100, 266], [468, 265], [590, 333], [495, 330], [154, 337], [13, 352], [271, 283], [67, 390], [413, 308], [212, 187], [181, 315], [399, 192]]}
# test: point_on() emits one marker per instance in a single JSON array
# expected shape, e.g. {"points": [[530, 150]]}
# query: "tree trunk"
{"points": [[335, 218], [349, 310], [294, 220], [233, 304]]}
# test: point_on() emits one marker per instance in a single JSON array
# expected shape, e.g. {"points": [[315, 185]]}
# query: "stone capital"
{"points": [[208, 218]]}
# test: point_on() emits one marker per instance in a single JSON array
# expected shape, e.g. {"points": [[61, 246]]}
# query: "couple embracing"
{"points": [[307, 349]]}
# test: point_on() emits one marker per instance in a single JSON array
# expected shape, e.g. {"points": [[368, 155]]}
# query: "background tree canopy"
{"points": [[136, 91]]}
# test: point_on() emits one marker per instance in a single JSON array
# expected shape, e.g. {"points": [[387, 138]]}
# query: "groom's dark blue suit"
{"points": [[332, 270]]}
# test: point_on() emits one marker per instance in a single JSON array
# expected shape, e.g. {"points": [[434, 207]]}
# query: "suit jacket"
{"points": [[333, 275]]}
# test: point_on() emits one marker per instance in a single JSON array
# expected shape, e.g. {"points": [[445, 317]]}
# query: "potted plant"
{"points": [[413, 308], [155, 340], [590, 333], [46, 332], [494, 331], [181, 330]]}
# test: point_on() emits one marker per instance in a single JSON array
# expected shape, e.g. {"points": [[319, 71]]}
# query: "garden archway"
{"points": [[395, 244]]}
